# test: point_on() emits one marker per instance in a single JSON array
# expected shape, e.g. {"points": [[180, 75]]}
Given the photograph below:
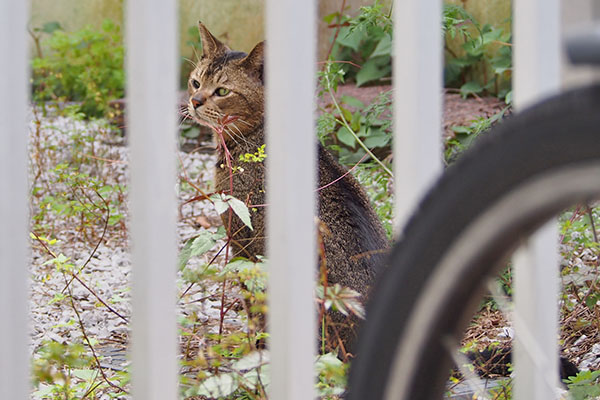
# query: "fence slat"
{"points": [[151, 107], [290, 74], [537, 73], [417, 101], [14, 359]]}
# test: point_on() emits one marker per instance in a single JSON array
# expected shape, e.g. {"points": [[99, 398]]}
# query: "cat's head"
{"points": [[227, 87]]}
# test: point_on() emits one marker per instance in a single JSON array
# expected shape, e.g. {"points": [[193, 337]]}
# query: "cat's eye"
{"points": [[222, 91], [195, 84]]}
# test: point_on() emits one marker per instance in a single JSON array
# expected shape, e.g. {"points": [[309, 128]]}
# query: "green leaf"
{"points": [[474, 48], [501, 64], [352, 101], [351, 39], [373, 69], [238, 264], [376, 138], [46, 390], [258, 278], [257, 376], [251, 361], [223, 202], [508, 98], [344, 136], [198, 245], [342, 299], [50, 27], [592, 300], [329, 18], [218, 386], [470, 88], [241, 211], [328, 361], [220, 203], [384, 47], [462, 130], [87, 375]]}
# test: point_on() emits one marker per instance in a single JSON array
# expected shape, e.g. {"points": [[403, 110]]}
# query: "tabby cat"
{"points": [[226, 93]]}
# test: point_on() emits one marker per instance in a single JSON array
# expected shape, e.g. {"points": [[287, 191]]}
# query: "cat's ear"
{"points": [[254, 62], [211, 46]]}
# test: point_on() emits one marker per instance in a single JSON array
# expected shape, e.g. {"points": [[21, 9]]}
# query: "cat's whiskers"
{"points": [[196, 55], [184, 115], [195, 65], [241, 135], [227, 122], [232, 135], [249, 144], [241, 120]]}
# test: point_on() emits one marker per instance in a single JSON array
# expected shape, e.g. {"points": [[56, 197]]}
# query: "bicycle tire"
{"points": [[527, 169]]}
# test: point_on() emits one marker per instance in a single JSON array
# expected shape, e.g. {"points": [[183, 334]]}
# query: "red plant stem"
{"points": [[322, 187], [228, 162], [337, 31], [342, 177], [341, 62]]}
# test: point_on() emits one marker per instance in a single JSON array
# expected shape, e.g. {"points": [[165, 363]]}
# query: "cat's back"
{"points": [[354, 239]]}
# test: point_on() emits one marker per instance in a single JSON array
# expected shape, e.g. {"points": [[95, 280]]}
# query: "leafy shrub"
{"points": [[366, 42], [486, 52], [584, 386], [350, 128], [84, 66]]}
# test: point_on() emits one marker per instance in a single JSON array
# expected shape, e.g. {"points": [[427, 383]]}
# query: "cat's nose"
{"points": [[197, 101]]}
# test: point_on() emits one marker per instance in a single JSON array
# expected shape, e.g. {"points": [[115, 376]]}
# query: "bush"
{"points": [[84, 66]]}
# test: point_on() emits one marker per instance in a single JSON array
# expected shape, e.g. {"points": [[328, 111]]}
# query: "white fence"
{"points": [[151, 44], [14, 363]]}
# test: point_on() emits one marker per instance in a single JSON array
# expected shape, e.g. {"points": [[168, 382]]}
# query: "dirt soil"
{"points": [[457, 111]]}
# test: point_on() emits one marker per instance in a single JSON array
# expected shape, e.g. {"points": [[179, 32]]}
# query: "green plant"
{"points": [[66, 371], [62, 371], [378, 186], [364, 41], [579, 236], [584, 386], [86, 202], [332, 375], [84, 66], [359, 131], [484, 62], [364, 45], [464, 136]]}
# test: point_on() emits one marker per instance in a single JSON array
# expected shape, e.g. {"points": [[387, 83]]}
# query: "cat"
{"points": [[226, 93]]}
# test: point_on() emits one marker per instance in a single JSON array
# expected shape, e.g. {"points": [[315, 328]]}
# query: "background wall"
{"points": [[240, 22], [237, 22]]}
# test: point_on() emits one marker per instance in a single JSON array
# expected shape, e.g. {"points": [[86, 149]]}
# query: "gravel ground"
{"points": [[102, 260], [101, 256]]}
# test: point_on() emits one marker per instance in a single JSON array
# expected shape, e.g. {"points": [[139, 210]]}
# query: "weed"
{"points": [[584, 386], [364, 41], [84, 66], [485, 51], [464, 136]]}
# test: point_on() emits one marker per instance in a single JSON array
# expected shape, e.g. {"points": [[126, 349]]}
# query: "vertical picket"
{"points": [[14, 360], [417, 101], [537, 73], [151, 111], [290, 82]]}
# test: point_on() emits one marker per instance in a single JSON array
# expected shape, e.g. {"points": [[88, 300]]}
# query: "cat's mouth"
{"points": [[201, 119], [215, 123]]}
